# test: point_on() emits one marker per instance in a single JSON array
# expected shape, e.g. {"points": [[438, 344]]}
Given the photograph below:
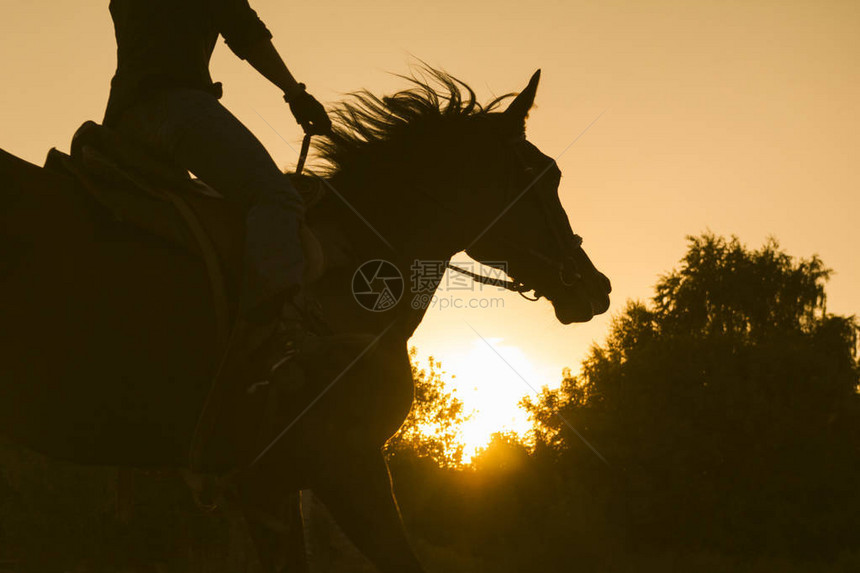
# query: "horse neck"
{"points": [[400, 220], [401, 224]]}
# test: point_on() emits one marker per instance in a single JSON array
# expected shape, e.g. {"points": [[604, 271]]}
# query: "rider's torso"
{"points": [[163, 43]]}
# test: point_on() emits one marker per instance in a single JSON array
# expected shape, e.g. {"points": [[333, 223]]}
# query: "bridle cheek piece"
{"points": [[558, 235]]}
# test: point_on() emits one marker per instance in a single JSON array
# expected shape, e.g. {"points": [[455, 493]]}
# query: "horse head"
{"points": [[529, 234]]}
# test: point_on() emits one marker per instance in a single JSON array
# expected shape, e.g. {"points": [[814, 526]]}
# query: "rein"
{"points": [[513, 286], [303, 154]]}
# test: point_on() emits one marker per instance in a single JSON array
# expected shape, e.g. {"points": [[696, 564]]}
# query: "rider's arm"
{"points": [[249, 39], [265, 59]]}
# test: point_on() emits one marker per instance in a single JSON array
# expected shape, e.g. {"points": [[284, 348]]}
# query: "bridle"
{"points": [[551, 217]]}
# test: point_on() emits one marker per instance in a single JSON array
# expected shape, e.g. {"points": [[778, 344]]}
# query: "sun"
{"points": [[491, 378]]}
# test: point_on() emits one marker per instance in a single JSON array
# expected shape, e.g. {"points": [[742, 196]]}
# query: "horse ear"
{"points": [[519, 108]]}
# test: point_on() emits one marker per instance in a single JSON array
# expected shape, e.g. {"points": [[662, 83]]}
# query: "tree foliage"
{"points": [[727, 407], [432, 429]]}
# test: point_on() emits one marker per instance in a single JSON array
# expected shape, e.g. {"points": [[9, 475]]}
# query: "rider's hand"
{"points": [[308, 111]]}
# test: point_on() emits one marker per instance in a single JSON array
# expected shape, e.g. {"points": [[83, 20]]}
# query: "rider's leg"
{"points": [[201, 135]]}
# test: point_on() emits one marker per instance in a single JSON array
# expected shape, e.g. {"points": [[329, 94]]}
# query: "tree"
{"points": [[432, 429], [728, 406]]}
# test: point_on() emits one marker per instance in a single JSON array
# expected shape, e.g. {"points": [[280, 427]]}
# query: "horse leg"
{"points": [[274, 520], [356, 489]]}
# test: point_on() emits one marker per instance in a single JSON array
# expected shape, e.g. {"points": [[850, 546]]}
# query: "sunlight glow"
{"points": [[490, 391]]}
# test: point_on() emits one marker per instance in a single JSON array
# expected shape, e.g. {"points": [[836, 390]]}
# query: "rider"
{"points": [[163, 96]]}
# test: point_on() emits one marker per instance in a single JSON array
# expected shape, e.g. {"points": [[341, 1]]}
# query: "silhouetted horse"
{"points": [[108, 333]]}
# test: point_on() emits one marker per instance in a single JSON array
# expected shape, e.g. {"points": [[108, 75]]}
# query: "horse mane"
{"points": [[365, 124]]}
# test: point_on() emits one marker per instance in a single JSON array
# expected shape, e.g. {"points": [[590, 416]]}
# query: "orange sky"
{"points": [[738, 116]]}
